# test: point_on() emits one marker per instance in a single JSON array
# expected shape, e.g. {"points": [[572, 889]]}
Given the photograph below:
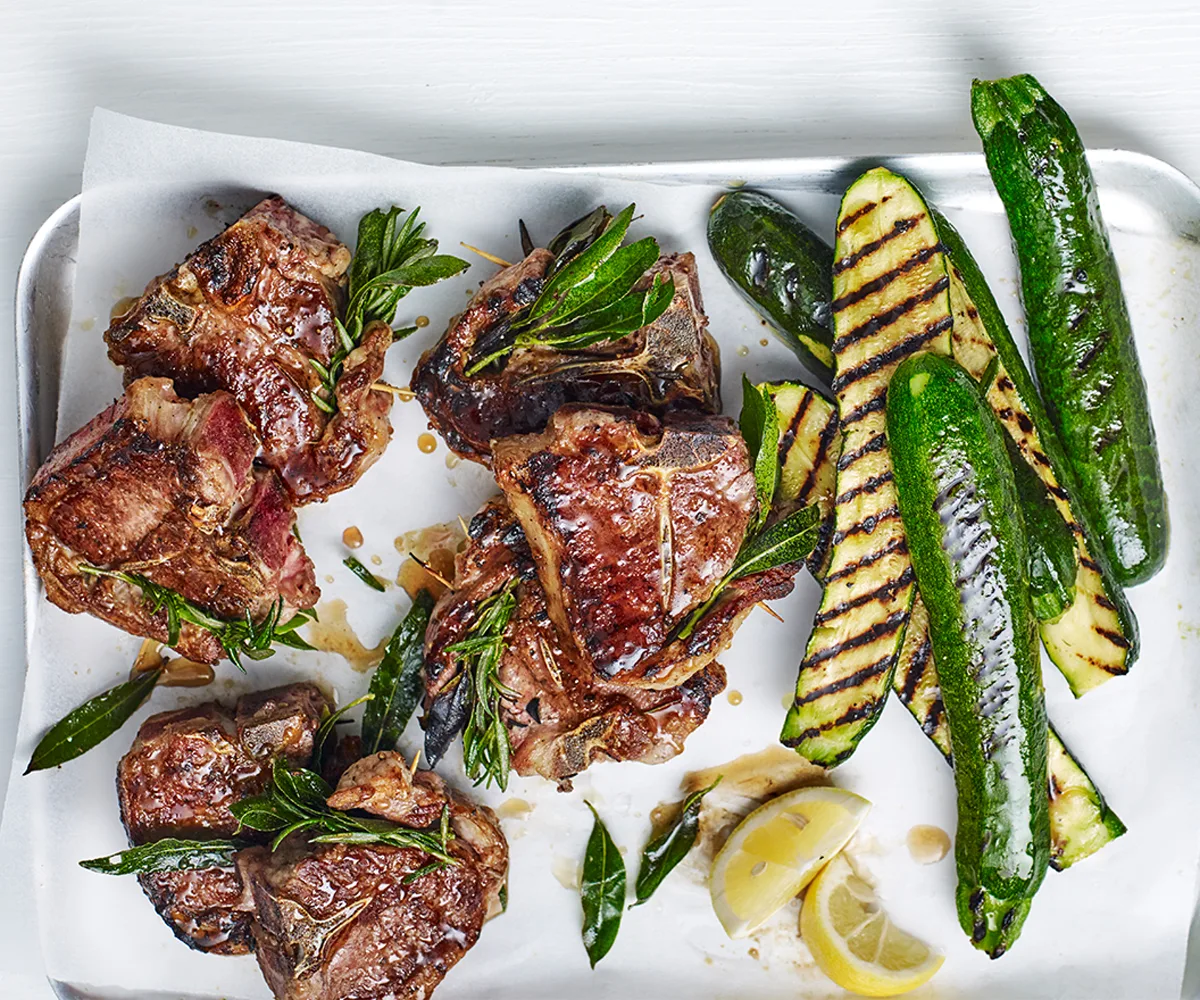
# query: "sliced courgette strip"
{"points": [[1097, 638], [1080, 820], [890, 301]]}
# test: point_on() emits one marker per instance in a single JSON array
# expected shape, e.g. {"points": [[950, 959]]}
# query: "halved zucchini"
{"points": [[890, 300], [1096, 638]]}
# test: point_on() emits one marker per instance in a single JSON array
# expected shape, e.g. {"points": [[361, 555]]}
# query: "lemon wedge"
{"points": [[776, 850], [855, 943]]}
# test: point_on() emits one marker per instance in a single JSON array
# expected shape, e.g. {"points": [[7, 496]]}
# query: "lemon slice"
{"points": [[776, 850], [855, 943]]}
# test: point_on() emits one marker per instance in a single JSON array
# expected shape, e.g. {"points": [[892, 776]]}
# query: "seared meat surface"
{"points": [[563, 717], [633, 522], [166, 488], [338, 921], [671, 363], [184, 771], [248, 312]]}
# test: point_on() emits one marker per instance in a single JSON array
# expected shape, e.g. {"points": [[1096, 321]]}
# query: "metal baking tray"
{"points": [[1142, 198]]}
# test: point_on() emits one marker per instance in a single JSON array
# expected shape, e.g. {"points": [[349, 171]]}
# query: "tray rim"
{"points": [[58, 233]]}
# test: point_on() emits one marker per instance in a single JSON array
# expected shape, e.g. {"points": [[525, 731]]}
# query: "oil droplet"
{"points": [[333, 634], [352, 538], [735, 697], [514, 809], [452, 461], [191, 232], [329, 578], [927, 845], [764, 342], [87, 324], [743, 351], [376, 560], [753, 953], [787, 700], [567, 872], [121, 306], [427, 443], [435, 546], [421, 321], [182, 672]]}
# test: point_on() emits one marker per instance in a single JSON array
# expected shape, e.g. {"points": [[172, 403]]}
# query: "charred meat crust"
{"points": [[166, 488], [337, 920], [673, 363], [179, 779], [247, 312], [564, 718], [633, 522]]}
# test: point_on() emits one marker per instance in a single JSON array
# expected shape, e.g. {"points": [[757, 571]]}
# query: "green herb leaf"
{"points": [[486, 750], [670, 847], [390, 259], [326, 728], [358, 569], [238, 637], [591, 298], [92, 722], [759, 422], [788, 541], [397, 684], [784, 542], [168, 855], [602, 891], [296, 801]]}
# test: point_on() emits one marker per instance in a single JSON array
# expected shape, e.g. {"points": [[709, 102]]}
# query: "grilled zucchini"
{"points": [[967, 539], [890, 300], [782, 267], [1080, 336], [1080, 820], [1097, 638]]}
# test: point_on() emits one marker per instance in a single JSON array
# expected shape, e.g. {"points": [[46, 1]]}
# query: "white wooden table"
{"points": [[529, 81]]}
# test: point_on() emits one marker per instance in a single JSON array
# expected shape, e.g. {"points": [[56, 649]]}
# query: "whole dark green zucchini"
{"points": [[1079, 330], [782, 267], [1053, 561], [966, 538]]}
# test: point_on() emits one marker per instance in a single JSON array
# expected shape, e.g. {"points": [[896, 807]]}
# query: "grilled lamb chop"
{"points": [[562, 717], [248, 312], [671, 363], [184, 771], [166, 489], [633, 523], [334, 921]]}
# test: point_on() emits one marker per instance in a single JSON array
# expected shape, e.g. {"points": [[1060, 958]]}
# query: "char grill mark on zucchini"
{"points": [[968, 547], [1096, 639], [1080, 820], [891, 285], [1081, 339]]}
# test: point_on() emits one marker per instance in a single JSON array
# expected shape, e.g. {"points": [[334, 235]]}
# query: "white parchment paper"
{"points": [[1114, 926]]}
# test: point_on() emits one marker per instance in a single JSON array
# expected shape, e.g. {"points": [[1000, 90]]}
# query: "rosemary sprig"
{"points": [[238, 637], [486, 750], [391, 258], [590, 297], [295, 801]]}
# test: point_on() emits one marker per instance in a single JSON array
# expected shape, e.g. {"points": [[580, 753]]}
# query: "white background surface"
{"points": [[552, 82]]}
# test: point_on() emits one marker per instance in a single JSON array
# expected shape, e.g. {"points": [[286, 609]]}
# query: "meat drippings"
{"points": [[332, 633], [436, 547]]}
